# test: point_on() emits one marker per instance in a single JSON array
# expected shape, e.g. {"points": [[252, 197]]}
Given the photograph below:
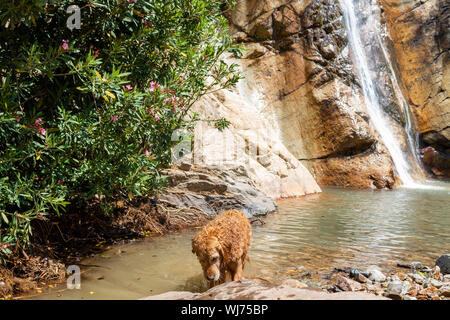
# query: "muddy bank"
{"points": [[79, 234], [194, 196]]}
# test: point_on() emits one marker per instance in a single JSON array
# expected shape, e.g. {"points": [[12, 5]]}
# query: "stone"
{"points": [[436, 273], [394, 289], [359, 277], [402, 276], [293, 283], [412, 292], [377, 276], [404, 264], [443, 262], [355, 272], [445, 291], [406, 297], [185, 166], [416, 265], [343, 283], [436, 283], [214, 190], [446, 278], [395, 278], [430, 291], [253, 289], [418, 278]]}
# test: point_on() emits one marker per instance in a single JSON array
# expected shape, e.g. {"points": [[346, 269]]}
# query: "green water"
{"points": [[337, 228]]}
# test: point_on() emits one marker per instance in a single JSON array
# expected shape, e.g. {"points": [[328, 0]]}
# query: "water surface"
{"points": [[337, 228]]}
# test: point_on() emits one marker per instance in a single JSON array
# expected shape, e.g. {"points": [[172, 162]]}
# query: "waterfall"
{"points": [[402, 163]]}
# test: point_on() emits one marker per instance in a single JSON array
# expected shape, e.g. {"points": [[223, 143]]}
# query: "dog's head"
{"points": [[211, 256]]}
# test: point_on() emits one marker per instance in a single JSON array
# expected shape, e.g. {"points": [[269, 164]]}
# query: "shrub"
{"points": [[90, 112]]}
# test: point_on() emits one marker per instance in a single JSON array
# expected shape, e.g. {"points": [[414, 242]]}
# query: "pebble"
{"points": [[394, 289], [428, 291], [359, 277], [436, 273], [404, 264], [436, 283], [418, 278], [415, 285], [402, 276], [377, 276], [412, 292], [445, 291], [416, 265]]}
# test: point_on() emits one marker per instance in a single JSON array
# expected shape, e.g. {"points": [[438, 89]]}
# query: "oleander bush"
{"points": [[90, 112]]}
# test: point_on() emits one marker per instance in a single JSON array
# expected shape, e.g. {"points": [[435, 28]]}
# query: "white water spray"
{"points": [[372, 102]]}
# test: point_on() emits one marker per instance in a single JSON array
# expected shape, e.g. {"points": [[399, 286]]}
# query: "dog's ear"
{"points": [[222, 252]]}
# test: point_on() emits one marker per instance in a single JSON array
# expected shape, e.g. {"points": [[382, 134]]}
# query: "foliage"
{"points": [[89, 113]]}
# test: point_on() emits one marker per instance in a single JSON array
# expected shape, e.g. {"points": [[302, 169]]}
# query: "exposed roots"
{"points": [[76, 234]]}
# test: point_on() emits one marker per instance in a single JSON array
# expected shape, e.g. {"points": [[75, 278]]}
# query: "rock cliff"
{"points": [[420, 35], [299, 61], [301, 106]]}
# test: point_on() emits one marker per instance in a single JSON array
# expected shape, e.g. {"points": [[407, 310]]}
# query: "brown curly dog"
{"points": [[222, 246]]}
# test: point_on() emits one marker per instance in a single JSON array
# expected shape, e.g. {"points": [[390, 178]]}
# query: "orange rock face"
{"points": [[420, 33], [299, 59]]}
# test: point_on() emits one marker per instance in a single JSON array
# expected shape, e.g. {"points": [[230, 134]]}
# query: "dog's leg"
{"points": [[237, 274]]}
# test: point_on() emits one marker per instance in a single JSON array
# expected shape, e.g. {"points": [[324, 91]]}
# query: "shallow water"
{"points": [[337, 228]]}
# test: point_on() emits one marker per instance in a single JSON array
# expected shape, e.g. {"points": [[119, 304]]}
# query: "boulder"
{"points": [[253, 289], [215, 190], [443, 262]]}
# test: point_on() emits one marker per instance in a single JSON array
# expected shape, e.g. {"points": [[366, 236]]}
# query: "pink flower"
{"points": [[167, 100], [37, 121], [18, 119], [130, 1], [147, 153], [148, 24], [157, 118], [42, 131], [127, 87], [4, 246], [114, 118], [65, 46]]}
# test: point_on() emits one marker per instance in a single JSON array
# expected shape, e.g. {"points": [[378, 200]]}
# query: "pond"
{"points": [[313, 235]]}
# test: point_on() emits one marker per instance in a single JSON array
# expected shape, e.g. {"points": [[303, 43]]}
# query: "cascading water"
{"points": [[403, 166]]}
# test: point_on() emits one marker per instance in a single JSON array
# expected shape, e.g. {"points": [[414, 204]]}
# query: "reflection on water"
{"points": [[319, 232]]}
